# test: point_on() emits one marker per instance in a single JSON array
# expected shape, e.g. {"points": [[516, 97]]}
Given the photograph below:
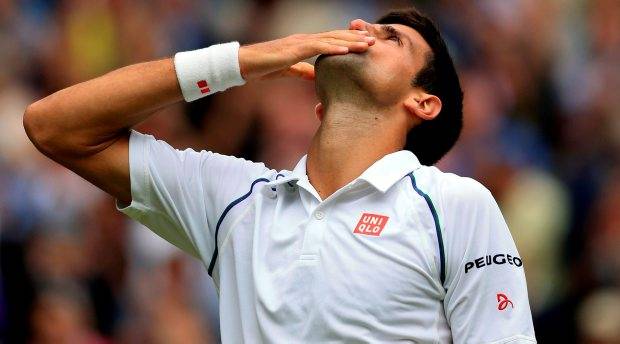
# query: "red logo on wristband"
{"points": [[203, 86]]}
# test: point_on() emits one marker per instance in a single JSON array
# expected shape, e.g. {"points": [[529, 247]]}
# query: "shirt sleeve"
{"points": [[486, 294], [179, 194]]}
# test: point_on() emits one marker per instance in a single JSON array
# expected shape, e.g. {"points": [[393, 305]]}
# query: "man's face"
{"points": [[386, 69]]}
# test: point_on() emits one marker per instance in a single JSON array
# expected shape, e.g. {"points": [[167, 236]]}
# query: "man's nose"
{"points": [[360, 24]]}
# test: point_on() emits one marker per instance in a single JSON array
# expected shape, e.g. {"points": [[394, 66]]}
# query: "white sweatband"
{"points": [[205, 71]]}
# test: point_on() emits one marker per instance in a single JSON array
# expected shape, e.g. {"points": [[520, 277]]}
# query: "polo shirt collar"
{"points": [[382, 174], [388, 170]]}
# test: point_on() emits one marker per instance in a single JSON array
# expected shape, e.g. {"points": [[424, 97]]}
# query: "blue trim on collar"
{"points": [[289, 179]]}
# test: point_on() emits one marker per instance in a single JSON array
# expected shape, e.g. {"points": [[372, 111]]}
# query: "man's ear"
{"points": [[318, 111], [423, 105]]}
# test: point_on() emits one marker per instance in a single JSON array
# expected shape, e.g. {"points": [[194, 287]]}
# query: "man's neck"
{"points": [[347, 143]]}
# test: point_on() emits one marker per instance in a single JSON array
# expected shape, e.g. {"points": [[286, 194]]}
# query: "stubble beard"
{"points": [[342, 78]]}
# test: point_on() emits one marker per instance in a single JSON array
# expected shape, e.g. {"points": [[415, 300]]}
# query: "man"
{"points": [[361, 242]]}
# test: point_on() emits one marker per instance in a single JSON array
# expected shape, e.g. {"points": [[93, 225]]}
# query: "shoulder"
{"points": [[449, 188], [223, 167], [252, 168]]}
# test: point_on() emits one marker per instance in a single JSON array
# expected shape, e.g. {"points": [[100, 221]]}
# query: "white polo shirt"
{"points": [[404, 252]]}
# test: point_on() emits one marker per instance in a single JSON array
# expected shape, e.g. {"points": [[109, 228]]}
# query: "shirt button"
{"points": [[319, 215]]}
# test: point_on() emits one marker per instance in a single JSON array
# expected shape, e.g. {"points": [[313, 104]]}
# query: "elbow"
{"points": [[53, 134], [32, 125], [40, 133]]}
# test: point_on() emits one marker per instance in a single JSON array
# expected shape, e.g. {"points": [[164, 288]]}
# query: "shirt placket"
{"points": [[314, 225], [318, 219]]}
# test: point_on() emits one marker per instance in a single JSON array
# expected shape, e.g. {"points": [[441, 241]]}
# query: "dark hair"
{"points": [[432, 139]]}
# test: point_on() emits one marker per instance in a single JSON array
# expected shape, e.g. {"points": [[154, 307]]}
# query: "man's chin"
{"points": [[339, 61], [340, 56], [342, 75], [321, 58]]}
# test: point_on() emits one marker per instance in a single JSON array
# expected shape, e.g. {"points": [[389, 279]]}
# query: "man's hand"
{"points": [[281, 57]]}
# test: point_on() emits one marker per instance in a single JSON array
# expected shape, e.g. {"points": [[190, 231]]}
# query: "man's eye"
{"points": [[394, 38]]}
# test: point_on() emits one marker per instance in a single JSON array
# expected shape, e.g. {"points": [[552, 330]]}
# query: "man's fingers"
{"points": [[322, 47], [357, 24], [355, 47], [347, 35], [355, 40], [274, 58], [302, 70]]}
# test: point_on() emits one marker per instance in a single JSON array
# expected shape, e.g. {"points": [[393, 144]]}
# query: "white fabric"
{"points": [[215, 67], [292, 269]]}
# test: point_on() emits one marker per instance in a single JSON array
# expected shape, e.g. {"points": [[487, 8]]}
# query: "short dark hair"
{"points": [[432, 139]]}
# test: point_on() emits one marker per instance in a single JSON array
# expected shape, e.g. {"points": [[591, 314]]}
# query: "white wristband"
{"points": [[205, 71]]}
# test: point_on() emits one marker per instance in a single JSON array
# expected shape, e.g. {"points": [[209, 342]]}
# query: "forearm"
{"points": [[85, 118]]}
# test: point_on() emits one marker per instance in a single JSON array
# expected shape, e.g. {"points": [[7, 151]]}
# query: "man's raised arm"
{"points": [[85, 127]]}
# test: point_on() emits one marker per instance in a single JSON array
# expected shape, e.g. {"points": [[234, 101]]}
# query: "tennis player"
{"points": [[363, 241]]}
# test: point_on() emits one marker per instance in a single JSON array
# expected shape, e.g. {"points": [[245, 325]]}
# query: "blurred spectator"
{"points": [[62, 314], [599, 317]]}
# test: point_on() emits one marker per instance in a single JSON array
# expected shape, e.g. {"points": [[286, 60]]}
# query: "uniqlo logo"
{"points": [[203, 86], [371, 224]]}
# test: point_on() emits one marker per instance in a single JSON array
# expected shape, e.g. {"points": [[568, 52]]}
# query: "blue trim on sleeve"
{"points": [[224, 213], [429, 202]]}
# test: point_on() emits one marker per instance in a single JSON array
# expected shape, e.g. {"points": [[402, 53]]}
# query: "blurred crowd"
{"points": [[542, 132]]}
